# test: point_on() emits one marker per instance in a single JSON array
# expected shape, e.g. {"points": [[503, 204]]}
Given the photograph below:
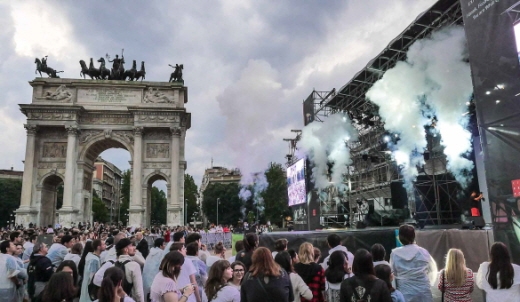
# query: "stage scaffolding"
{"points": [[372, 171]]}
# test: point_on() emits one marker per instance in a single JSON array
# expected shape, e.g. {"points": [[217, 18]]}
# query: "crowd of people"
{"points": [[114, 265]]}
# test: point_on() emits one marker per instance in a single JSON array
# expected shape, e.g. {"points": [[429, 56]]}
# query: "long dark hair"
{"points": [[59, 288], [250, 242], [500, 263], [215, 278], [111, 279], [87, 249], [363, 266], [383, 272], [284, 260], [72, 265], [335, 272]]}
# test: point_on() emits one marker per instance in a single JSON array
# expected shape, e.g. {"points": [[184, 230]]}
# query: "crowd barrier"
{"points": [[209, 239]]}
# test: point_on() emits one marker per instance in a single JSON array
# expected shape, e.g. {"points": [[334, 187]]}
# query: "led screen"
{"points": [[296, 183]]}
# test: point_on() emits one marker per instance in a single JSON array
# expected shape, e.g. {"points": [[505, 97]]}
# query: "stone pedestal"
{"points": [[67, 216], [174, 216], [136, 216]]}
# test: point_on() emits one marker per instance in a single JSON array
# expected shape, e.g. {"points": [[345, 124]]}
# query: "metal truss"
{"points": [[372, 170]]}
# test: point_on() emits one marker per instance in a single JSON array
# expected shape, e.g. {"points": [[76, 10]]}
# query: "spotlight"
{"points": [[497, 101], [386, 138], [488, 92]]}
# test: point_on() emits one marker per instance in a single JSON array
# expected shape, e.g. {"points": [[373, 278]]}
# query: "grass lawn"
{"points": [[236, 237]]}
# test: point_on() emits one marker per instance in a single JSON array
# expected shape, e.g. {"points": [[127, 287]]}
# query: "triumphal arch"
{"points": [[71, 121]]}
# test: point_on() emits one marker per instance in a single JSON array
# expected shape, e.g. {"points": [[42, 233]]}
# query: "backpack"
{"points": [[31, 272], [92, 288], [127, 286]]}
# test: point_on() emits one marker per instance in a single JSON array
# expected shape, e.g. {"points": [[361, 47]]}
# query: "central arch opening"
{"points": [[107, 176], [51, 199], [157, 190]]}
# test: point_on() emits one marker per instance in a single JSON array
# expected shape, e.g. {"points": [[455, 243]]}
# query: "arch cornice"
{"points": [[100, 138], [51, 173]]}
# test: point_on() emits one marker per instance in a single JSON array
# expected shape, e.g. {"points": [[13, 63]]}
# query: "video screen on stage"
{"points": [[296, 183]]}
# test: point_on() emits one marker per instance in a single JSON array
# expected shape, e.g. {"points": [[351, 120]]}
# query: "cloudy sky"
{"points": [[248, 64]]}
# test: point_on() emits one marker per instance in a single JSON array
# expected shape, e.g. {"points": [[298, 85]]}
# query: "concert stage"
{"points": [[474, 244]]}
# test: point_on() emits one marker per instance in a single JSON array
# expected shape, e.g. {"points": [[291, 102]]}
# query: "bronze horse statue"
{"points": [[93, 72], [176, 75], [104, 73], [141, 73], [84, 69], [131, 73], [40, 67]]}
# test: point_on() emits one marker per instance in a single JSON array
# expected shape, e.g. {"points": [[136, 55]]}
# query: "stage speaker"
{"points": [[478, 221], [399, 196], [360, 225]]}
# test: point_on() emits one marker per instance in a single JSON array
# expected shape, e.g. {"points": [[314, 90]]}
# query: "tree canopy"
{"points": [[10, 193], [275, 195], [229, 209], [159, 203], [190, 194]]}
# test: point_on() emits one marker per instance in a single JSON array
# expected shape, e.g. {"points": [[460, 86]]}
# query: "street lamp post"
{"points": [[186, 211], [218, 201]]}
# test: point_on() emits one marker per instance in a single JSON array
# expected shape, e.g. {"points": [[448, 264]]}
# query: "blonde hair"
{"points": [[455, 270], [306, 253]]}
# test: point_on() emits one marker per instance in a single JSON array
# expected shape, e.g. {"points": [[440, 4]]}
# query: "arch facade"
{"points": [[71, 121]]}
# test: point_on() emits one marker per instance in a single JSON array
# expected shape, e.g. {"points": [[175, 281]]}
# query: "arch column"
{"points": [[67, 212], [23, 213], [175, 207], [136, 202]]}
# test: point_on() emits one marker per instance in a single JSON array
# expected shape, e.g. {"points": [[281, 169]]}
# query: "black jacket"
{"points": [[142, 247], [43, 268], [377, 289]]}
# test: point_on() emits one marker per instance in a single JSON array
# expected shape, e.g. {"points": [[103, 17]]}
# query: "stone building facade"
{"points": [[71, 121], [106, 181]]}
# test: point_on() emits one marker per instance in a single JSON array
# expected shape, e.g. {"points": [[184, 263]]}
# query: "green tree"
{"points": [[10, 193], [229, 206], [190, 194], [99, 210], [159, 201], [275, 196], [125, 194]]}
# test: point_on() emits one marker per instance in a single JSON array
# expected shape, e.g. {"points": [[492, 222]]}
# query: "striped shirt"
{"points": [[454, 293]]}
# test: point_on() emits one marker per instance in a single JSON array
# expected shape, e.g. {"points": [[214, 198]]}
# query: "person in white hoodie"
{"points": [[414, 269], [334, 242], [152, 263]]}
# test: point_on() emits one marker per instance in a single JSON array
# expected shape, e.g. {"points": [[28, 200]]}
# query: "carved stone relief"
{"points": [[159, 118], [51, 116], [157, 150], [54, 150], [124, 135], [62, 94], [156, 96], [86, 135], [51, 165]]}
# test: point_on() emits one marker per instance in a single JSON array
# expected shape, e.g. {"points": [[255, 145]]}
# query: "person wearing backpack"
{"points": [[133, 281], [364, 286], [92, 265], [40, 270]]}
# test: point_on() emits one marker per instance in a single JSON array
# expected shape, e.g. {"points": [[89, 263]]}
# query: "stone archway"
{"points": [[49, 194], [149, 181], [71, 121]]}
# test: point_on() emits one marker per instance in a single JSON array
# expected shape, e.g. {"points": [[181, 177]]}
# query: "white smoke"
{"points": [[326, 142], [436, 80]]}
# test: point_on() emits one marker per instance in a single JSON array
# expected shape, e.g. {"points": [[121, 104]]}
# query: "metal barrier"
{"points": [[209, 239]]}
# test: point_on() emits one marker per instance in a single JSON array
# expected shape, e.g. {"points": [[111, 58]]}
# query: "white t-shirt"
{"points": [[212, 259], [187, 269], [227, 294]]}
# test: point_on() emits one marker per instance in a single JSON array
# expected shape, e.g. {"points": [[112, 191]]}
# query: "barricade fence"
{"points": [[208, 239]]}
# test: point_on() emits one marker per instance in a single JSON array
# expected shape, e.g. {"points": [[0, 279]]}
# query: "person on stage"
{"points": [[474, 201]]}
